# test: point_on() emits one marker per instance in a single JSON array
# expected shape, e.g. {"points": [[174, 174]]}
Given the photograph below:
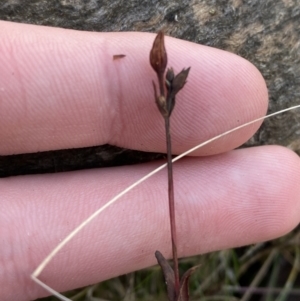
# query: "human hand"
{"points": [[61, 89]]}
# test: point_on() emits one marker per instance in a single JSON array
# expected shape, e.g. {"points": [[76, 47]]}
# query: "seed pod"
{"points": [[158, 55]]}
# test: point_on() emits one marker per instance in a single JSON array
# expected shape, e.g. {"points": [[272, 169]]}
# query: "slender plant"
{"points": [[169, 85]]}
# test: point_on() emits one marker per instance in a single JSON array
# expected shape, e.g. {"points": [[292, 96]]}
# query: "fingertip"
{"points": [[86, 98]]}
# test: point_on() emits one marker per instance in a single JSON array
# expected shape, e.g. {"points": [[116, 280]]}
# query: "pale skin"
{"points": [[62, 89]]}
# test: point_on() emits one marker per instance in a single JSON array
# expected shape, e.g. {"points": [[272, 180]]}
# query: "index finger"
{"points": [[63, 89]]}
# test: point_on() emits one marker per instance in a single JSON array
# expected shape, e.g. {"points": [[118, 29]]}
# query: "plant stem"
{"points": [[161, 84], [172, 205]]}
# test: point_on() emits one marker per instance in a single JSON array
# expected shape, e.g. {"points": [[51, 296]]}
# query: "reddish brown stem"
{"points": [[172, 205]]}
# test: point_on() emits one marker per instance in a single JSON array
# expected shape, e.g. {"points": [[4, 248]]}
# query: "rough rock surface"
{"points": [[267, 33]]}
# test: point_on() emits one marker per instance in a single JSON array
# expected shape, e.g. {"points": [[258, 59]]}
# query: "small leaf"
{"points": [[174, 85], [184, 285], [180, 80], [168, 275]]}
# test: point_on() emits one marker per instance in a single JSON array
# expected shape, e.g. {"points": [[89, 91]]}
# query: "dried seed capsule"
{"points": [[161, 102], [162, 105], [158, 55]]}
